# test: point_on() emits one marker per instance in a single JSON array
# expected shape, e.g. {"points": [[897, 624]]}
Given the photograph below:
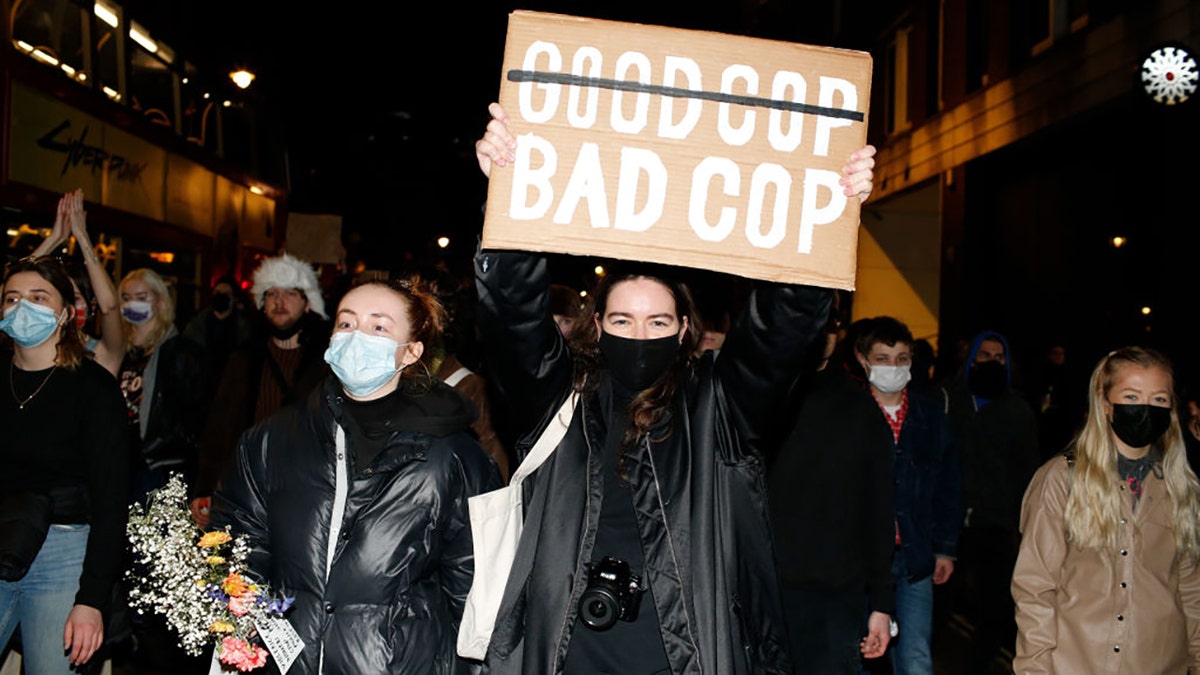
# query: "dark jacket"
{"points": [[402, 564], [699, 492], [831, 494], [928, 485], [173, 384], [233, 407], [998, 442]]}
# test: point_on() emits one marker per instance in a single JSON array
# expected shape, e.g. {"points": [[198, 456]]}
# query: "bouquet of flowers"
{"points": [[197, 580]]}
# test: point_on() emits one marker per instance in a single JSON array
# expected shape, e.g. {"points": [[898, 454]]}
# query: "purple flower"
{"points": [[214, 591], [278, 607]]}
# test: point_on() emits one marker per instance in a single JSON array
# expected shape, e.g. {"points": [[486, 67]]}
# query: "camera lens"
{"points": [[598, 609]]}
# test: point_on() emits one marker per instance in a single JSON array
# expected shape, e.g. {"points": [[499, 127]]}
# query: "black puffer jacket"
{"points": [[699, 495], [402, 563]]}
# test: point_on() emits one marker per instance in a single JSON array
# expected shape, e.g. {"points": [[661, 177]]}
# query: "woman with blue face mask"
{"points": [[369, 478], [64, 475]]}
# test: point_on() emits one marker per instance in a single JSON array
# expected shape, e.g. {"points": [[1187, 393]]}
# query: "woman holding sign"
{"points": [[645, 547]]}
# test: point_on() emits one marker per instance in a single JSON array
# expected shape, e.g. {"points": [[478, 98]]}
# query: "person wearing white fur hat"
{"points": [[271, 371]]}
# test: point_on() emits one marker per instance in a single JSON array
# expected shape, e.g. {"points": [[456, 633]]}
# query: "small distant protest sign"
{"points": [[680, 147]]}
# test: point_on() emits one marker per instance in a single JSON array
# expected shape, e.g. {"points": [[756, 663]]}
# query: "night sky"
{"points": [[378, 107]]}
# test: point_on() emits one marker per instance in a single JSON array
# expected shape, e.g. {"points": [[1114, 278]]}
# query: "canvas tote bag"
{"points": [[496, 520]]}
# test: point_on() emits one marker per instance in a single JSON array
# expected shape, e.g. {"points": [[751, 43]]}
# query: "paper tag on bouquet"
{"points": [[283, 642]]}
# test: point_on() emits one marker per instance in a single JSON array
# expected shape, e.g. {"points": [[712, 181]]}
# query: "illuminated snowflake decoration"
{"points": [[1169, 75]]}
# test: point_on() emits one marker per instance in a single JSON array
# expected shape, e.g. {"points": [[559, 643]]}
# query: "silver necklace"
{"points": [[13, 386]]}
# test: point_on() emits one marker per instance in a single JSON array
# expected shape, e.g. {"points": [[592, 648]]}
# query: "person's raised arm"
{"points": [[59, 232], [111, 349], [766, 348], [498, 145], [529, 365]]}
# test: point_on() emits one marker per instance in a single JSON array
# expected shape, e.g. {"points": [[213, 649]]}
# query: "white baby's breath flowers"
{"points": [[172, 575]]}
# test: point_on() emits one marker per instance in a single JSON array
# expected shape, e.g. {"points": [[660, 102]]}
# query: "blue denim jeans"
{"points": [[41, 601], [909, 651]]}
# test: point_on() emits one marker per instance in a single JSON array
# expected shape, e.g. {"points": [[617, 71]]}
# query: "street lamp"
{"points": [[242, 78]]}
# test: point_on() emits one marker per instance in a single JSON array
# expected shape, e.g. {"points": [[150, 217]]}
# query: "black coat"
{"points": [[699, 494], [403, 560], [176, 406]]}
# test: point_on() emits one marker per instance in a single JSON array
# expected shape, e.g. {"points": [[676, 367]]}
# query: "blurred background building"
{"points": [[180, 169]]}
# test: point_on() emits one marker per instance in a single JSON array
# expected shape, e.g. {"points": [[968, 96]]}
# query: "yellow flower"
{"points": [[221, 627], [214, 539], [234, 585], [214, 560]]}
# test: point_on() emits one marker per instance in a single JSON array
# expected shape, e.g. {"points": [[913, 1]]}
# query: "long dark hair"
{"points": [[650, 406], [71, 351]]}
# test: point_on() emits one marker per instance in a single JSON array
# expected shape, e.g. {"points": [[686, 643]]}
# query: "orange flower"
{"points": [[234, 585], [214, 539]]}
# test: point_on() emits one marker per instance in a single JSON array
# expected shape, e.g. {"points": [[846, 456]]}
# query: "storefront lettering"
{"points": [[79, 153]]}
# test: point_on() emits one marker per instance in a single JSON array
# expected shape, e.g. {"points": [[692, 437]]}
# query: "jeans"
{"points": [[910, 651], [41, 601], [825, 626]]}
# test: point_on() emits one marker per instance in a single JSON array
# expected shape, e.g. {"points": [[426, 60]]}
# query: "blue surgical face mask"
{"points": [[30, 324], [137, 312], [363, 363]]}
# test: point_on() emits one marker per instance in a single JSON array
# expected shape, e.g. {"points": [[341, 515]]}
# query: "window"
{"points": [[1051, 20], [51, 32], [896, 83], [977, 45], [151, 82]]}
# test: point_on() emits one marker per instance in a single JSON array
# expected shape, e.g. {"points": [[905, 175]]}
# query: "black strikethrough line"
{"points": [[678, 92]]}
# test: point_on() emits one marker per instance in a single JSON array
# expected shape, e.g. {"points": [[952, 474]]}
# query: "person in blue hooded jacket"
{"points": [[996, 431]]}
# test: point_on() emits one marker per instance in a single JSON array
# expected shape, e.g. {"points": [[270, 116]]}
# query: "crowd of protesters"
{"points": [[775, 490]]}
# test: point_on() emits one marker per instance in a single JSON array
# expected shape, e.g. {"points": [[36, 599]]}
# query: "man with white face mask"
{"points": [[928, 486]]}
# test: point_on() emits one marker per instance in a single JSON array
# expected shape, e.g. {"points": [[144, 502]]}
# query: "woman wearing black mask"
{"points": [[646, 547], [1107, 579]]}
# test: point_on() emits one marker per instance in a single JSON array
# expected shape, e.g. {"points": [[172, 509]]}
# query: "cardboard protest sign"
{"points": [[679, 147]]}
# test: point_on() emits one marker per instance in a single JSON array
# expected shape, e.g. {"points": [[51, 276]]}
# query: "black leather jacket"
{"points": [[402, 561], [177, 406], [699, 494]]}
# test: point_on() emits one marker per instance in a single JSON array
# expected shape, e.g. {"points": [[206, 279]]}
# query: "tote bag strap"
{"points": [[548, 441]]}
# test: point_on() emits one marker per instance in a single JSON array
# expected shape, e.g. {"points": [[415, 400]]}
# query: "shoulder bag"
{"points": [[496, 521]]}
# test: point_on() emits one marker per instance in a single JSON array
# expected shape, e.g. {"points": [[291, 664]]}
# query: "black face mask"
{"points": [[637, 364], [221, 302], [1139, 425], [286, 333], [988, 379]]}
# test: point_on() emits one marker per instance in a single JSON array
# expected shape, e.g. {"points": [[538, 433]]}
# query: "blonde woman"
{"points": [[1106, 580], [162, 378]]}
